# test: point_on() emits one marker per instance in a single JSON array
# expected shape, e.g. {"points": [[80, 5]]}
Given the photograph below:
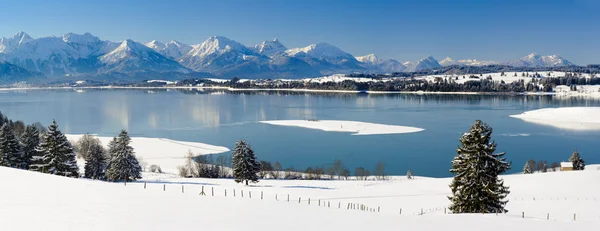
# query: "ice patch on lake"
{"points": [[570, 118], [357, 128]]}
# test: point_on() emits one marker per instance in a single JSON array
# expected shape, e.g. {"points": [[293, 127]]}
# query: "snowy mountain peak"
{"points": [[155, 45], [217, 44], [270, 47], [9, 44], [85, 38], [425, 63], [321, 51], [370, 58], [536, 60]]}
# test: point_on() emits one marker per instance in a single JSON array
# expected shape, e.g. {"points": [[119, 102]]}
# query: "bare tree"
{"points": [[319, 172], [222, 163], [265, 168], [380, 171], [331, 172], [345, 173], [276, 169], [83, 146], [142, 162], [554, 166], [532, 165], [359, 173], [339, 168]]}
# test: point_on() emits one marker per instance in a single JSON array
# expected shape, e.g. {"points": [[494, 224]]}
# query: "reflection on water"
{"points": [[221, 117]]}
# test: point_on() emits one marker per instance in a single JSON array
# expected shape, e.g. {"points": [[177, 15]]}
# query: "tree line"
{"points": [[532, 166], [47, 150]]}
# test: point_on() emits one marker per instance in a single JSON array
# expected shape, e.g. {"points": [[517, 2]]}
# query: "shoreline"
{"points": [[299, 90]]}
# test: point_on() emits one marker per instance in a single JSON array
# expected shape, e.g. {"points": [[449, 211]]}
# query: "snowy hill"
{"points": [[10, 73], [536, 60], [133, 56], [59, 203], [172, 50]]}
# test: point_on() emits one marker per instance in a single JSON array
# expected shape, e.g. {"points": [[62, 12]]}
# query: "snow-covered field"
{"points": [[355, 127], [34, 201], [168, 154], [571, 118]]}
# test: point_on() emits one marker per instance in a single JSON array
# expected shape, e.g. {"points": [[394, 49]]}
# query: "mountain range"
{"points": [[85, 56]]}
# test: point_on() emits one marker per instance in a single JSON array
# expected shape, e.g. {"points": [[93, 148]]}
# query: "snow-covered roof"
{"points": [[566, 164]]}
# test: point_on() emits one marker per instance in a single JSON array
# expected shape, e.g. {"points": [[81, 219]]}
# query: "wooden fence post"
{"points": [[339, 205], [225, 192], [144, 184], [574, 216], [378, 209], [421, 211], [299, 199], [288, 198], [309, 200], [328, 204], [548, 216], [242, 193], [164, 187], [181, 188], [233, 192], [212, 189], [400, 211], [250, 194], [261, 195], [522, 214], [319, 202]]}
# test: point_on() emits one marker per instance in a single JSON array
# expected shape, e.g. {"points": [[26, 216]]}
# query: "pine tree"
{"points": [[11, 154], [58, 157], [122, 166], [95, 165], [527, 169], [578, 163], [243, 161], [476, 187], [31, 140]]}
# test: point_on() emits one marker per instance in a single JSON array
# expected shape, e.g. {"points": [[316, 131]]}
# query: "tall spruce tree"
{"points": [[526, 168], [95, 161], [30, 141], [578, 163], [58, 157], [11, 154], [244, 163], [476, 187], [122, 165]]}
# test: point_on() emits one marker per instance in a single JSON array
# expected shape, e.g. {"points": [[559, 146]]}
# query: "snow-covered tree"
{"points": [[476, 187], [122, 166], [526, 168], [58, 157], [11, 154], [578, 163], [95, 161], [244, 163], [30, 141]]}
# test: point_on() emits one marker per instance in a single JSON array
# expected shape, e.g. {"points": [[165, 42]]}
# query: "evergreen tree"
{"points": [[527, 169], [30, 141], [95, 162], [578, 163], [58, 157], [11, 154], [244, 164], [476, 187], [122, 166]]}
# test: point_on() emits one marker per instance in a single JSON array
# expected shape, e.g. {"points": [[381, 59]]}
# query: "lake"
{"points": [[221, 118]]}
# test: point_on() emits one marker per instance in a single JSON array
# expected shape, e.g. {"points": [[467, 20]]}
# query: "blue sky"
{"points": [[404, 30]]}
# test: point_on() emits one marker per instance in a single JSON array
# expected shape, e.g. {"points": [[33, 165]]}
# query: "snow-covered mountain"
{"points": [[86, 55], [172, 49], [467, 62], [10, 73], [375, 64], [425, 63], [131, 56], [8, 44], [536, 60], [270, 47]]}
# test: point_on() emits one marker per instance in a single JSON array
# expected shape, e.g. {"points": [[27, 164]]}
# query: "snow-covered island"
{"points": [[357, 128], [168, 154], [570, 118]]}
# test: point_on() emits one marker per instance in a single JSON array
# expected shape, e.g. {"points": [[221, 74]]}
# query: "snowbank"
{"points": [[168, 154], [357, 128], [571, 118], [59, 203]]}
